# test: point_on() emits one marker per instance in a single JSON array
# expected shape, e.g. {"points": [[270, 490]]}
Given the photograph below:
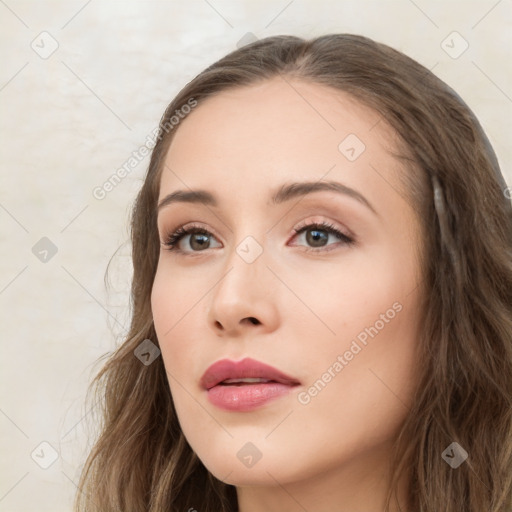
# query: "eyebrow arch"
{"points": [[285, 193]]}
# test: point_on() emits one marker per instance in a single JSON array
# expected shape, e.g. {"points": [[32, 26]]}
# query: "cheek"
{"points": [[340, 300], [178, 305], [369, 370], [176, 296], [361, 379], [355, 403], [170, 307]]}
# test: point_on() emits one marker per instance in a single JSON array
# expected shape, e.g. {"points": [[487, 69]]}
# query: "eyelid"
{"points": [[188, 226], [323, 221], [345, 240]]}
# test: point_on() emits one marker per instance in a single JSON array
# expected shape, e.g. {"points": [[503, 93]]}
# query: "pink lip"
{"points": [[244, 397]]}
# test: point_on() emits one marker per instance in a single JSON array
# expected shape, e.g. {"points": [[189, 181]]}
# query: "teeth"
{"points": [[249, 380]]}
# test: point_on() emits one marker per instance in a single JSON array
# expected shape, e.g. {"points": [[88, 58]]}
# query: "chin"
{"points": [[243, 477], [232, 464]]}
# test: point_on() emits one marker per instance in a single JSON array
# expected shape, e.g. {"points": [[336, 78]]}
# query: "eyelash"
{"points": [[172, 240]]}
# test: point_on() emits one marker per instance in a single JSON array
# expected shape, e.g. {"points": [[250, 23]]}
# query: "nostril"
{"points": [[253, 320]]}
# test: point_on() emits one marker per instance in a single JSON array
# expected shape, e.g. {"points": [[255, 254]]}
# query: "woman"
{"points": [[322, 296]]}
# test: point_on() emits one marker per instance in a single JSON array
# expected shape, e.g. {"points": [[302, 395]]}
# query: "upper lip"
{"points": [[227, 369]]}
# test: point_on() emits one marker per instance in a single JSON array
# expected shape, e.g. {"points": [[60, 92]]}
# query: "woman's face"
{"points": [[336, 313]]}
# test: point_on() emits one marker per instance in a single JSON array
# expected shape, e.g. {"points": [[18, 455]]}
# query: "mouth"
{"points": [[244, 385], [241, 382]]}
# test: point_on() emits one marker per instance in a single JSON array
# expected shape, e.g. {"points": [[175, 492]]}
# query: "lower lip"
{"points": [[246, 397]]}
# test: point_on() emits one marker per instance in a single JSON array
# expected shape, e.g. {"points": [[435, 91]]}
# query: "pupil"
{"points": [[196, 239], [317, 236]]}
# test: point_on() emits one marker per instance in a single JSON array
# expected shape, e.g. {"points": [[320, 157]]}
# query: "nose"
{"points": [[245, 299]]}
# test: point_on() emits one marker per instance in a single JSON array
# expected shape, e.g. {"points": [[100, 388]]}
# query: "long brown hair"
{"points": [[141, 460]]}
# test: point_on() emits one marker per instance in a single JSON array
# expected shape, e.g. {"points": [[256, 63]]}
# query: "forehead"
{"points": [[252, 139]]}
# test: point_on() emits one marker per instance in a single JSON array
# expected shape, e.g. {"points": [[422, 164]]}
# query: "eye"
{"points": [[317, 235], [199, 239]]}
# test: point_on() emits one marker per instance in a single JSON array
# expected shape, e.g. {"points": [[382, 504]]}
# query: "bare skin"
{"points": [[321, 450]]}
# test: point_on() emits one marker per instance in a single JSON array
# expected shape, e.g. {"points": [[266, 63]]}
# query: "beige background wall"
{"points": [[70, 118]]}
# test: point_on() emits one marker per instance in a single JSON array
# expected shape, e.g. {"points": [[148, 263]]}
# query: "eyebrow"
{"points": [[285, 193]]}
